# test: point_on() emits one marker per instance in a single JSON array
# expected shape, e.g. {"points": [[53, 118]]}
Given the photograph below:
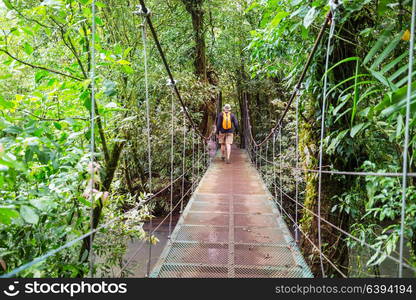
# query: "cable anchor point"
{"points": [[142, 11], [171, 83]]}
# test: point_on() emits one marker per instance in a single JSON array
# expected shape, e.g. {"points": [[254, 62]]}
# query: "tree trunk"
{"points": [[106, 183], [194, 7], [333, 241]]}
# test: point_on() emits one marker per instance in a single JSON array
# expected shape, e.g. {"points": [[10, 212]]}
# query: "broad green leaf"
{"points": [[279, 16], [7, 215], [44, 157], [29, 214], [127, 51], [382, 7], [394, 102], [335, 141], [252, 6], [345, 81], [342, 114], [9, 160], [39, 75], [127, 69], [353, 58], [109, 88], [86, 99], [8, 4], [383, 56], [99, 21], [123, 62], [310, 17], [57, 125], [356, 95], [4, 104], [380, 43], [383, 80], [43, 203], [341, 105], [100, 4], [357, 128], [394, 62], [27, 48], [404, 80], [399, 126]]}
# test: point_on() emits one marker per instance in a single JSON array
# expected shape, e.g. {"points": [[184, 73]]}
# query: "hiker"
{"points": [[226, 125]]}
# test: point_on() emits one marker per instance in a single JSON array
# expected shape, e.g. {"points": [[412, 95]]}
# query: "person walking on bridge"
{"points": [[226, 126]]}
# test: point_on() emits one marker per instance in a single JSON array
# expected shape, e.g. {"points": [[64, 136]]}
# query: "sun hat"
{"points": [[227, 107]]}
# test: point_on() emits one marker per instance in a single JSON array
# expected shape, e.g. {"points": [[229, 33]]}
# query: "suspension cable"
{"points": [[312, 243], [86, 235], [345, 232], [148, 133], [143, 8], [324, 102], [92, 161], [171, 158], [139, 248]]}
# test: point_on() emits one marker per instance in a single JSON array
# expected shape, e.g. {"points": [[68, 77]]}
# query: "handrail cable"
{"points": [[147, 15], [75, 240], [92, 115], [345, 232]]}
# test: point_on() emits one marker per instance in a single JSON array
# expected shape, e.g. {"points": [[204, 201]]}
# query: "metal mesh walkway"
{"points": [[231, 228]]}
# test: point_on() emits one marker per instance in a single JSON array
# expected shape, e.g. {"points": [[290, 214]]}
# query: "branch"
{"points": [[70, 46], [39, 67]]}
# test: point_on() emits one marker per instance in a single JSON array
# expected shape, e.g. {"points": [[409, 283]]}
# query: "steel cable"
{"points": [[92, 162]]}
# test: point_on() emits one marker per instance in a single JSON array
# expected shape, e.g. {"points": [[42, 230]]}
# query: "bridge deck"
{"points": [[231, 228]]}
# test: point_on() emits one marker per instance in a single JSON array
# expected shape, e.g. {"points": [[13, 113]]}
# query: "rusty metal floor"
{"points": [[231, 228]]}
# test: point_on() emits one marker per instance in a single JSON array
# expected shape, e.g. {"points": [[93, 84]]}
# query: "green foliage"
{"points": [[367, 93], [254, 47]]}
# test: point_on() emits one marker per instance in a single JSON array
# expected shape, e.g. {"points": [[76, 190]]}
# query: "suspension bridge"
{"points": [[231, 228], [234, 224]]}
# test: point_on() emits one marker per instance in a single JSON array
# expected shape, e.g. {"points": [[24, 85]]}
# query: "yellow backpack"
{"points": [[226, 120]]}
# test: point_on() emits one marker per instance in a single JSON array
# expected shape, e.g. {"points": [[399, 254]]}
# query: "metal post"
{"points": [[297, 167]]}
